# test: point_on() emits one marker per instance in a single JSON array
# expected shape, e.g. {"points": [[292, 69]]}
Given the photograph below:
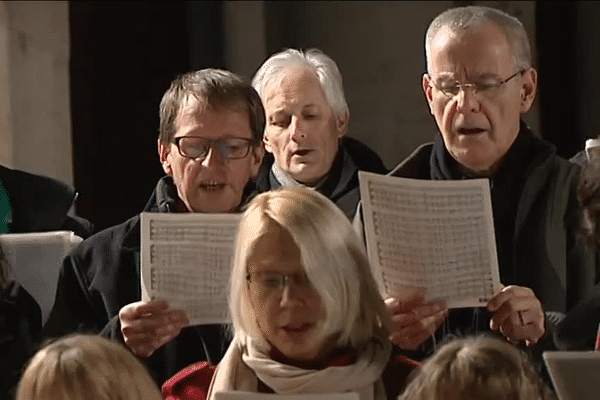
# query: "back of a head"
{"points": [[477, 368], [463, 18], [86, 367]]}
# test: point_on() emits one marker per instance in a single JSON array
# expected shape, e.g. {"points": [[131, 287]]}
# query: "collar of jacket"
{"points": [[164, 199], [352, 156]]}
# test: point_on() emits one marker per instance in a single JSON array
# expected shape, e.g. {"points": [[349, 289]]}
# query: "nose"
{"points": [[290, 296], [213, 157], [467, 100], [296, 129]]}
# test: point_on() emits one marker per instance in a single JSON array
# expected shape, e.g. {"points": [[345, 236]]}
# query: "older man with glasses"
{"points": [[210, 146], [479, 82]]}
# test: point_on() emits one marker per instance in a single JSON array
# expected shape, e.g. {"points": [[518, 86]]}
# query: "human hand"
{"points": [[414, 317], [147, 325], [517, 314]]}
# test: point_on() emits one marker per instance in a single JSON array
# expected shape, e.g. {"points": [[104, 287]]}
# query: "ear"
{"points": [[428, 90], [256, 156], [163, 153], [267, 142], [341, 124], [528, 89]]}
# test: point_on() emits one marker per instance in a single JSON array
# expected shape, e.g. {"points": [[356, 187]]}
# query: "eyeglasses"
{"points": [[488, 88], [268, 282], [197, 147]]}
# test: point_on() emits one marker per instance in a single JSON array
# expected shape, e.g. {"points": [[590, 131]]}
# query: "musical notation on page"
{"points": [[186, 260], [437, 235]]}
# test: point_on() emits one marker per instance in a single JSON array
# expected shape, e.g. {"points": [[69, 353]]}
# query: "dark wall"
{"points": [[123, 57], [569, 66], [558, 93]]}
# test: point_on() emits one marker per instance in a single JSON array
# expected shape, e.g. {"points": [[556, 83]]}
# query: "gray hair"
{"points": [[213, 89], [463, 18], [333, 258], [313, 59]]}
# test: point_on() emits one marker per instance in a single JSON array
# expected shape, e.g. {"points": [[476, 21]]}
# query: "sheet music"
{"points": [[438, 235], [186, 259], [267, 396], [35, 260]]}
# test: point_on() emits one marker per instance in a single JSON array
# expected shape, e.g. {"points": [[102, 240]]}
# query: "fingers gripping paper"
{"points": [[437, 235], [186, 260]]}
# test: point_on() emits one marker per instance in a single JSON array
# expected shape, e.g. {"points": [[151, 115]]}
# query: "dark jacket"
{"points": [[20, 327], [39, 204], [341, 185], [580, 328], [102, 275], [541, 249]]}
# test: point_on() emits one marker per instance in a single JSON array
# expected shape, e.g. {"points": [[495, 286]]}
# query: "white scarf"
{"points": [[243, 365], [286, 179]]}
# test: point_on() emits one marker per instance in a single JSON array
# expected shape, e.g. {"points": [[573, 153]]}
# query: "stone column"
{"points": [[35, 116]]}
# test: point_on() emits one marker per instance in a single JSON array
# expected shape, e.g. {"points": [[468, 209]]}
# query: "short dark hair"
{"points": [[214, 89]]}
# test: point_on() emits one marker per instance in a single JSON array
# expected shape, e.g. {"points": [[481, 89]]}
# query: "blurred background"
{"points": [[80, 81]]}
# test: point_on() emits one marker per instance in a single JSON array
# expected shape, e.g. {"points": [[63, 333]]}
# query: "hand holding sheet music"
{"points": [[186, 260], [437, 235]]}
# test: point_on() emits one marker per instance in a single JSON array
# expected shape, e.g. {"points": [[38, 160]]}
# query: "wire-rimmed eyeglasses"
{"points": [[268, 281], [487, 87]]}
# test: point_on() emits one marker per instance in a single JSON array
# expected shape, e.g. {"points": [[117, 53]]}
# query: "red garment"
{"points": [[192, 383]]}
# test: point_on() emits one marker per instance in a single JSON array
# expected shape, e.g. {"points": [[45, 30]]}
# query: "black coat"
{"points": [[102, 275], [341, 186], [20, 326], [40, 204]]}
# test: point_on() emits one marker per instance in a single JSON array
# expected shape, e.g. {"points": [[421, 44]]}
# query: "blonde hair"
{"points": [[86, 367], [477, 367], [333, 258]]}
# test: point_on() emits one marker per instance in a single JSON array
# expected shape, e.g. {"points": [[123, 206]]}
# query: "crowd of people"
{"points": [[307, 315]]}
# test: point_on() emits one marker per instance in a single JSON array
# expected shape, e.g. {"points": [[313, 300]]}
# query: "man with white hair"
{"points": [[307, 121], [479, 82]]}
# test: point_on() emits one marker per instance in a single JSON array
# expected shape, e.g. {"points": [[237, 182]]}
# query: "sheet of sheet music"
{"points": [[266, 396], [433, 234], [186, 259], [35, 260]]}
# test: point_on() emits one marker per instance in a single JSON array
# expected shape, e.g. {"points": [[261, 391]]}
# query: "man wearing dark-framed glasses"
{"points": [[478, 84], [210, 147]]}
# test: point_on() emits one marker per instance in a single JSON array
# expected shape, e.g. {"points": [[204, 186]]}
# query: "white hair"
{"points": [[462, 18], [315, 60], [332, 256]]}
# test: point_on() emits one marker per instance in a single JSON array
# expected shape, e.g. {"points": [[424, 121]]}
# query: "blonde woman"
{"points": [[86, 367], [307, 315], [477, 368]]}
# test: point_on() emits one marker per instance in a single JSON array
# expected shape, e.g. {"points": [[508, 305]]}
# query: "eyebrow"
{"points": [[484, 75]]}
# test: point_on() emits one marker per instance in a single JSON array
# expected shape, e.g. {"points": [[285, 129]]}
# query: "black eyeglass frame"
{"points": [[220, 145]]}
